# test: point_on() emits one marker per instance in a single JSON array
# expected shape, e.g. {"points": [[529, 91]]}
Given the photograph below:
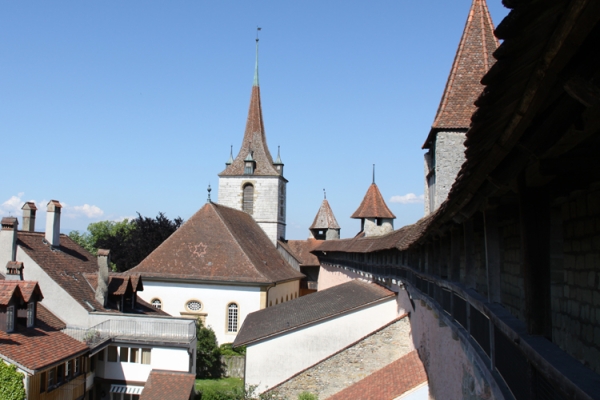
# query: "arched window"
{"points": [[232, 317], [248, 200], [156, 303]]}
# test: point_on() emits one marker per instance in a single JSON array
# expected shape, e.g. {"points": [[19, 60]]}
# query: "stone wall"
{"points": [[269, 200], [233, 366], [351, 364], [576, 277], [448, 158]]}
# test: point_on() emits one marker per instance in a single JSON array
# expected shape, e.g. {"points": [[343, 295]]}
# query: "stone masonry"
{"points": [[352, 364]]}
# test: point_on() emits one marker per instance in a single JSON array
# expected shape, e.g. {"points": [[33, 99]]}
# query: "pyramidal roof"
{"points": [[220, 244], [255, 139], [373, 205], [325, 218], [473, 59]]}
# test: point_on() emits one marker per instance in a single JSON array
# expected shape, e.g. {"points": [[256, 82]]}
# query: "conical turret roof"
{"points": [[325, 218], [473, 59], [255, 140], [373, 205]]}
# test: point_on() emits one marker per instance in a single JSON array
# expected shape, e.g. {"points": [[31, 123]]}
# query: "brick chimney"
{"points": [[14, 271], [103, 269], [53, 223], [8, 242], [29, 210]]}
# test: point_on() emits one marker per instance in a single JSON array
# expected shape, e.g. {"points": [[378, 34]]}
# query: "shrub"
{"points": [[11, 383], [208, 356], [228, 350], [307, 396]]}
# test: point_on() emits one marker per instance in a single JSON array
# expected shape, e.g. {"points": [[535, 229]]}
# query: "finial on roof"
{"points": [[278, 161], [324, 195], [256, 67], [208, 190], [230, 161], [373, 173]]}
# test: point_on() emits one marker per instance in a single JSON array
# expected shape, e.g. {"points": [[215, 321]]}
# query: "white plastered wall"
{"points": [[267, 191], [214, 298], [274, 360]]}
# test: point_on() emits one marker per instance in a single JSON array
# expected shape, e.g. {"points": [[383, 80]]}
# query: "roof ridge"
{"points": [[235, 239]]}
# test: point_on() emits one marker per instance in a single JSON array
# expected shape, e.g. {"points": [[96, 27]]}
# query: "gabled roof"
{"points": [[305, 310], [473, 59], [389, 382], [68, 266], [41, 346], [255, 139], [218, 243], [325, 218], [301, 250], [172, 385], [373, 205], [25, 288]]}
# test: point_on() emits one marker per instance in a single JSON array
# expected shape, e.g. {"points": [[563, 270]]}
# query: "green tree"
{"points": [[208, 356], [11, 383]]}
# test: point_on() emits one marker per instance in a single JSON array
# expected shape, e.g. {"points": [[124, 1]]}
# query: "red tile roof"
{"points": [[68, 266], [218, 243], [26, 289], [473, 59], [373, 205], [325, 218], [301, 250], [42, 346], [389, 382], [169, 385], [254, 141]]}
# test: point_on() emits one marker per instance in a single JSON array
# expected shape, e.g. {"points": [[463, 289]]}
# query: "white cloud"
{"points": [[409, 198], [86, 210], [12, 206], [121, 219]]}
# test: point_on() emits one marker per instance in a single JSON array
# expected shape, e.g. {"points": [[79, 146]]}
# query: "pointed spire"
{"points": [[230, 156], [278, 160], [254, 137], [472, 60], [373, 205], [325, 218], [256, 66], [324, 195], [373, 173]]}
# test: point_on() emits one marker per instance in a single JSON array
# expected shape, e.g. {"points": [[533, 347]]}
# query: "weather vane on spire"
{"points": [[324, 195], [258, 28], [373, 173], [208, 190], [256, 67]]}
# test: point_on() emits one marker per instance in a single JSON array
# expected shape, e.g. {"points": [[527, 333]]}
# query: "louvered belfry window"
{"points": [[248, 201]]}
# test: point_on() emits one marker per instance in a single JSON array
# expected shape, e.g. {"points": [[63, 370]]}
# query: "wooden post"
{"points": [[492, 250], [454, 273], [470, 272]]}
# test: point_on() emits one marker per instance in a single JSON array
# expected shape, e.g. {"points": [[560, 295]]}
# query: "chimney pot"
{"points": [[53, 223], [103, 270], [8, 242], [14, 271], [29, 210]]}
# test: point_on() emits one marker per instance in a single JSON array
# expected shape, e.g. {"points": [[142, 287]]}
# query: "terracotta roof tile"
{"points": [[218, 243], [373, 205], [255, 142], [389, 382], [301, 249], [41, 346], [473, 59], [26, 289], [325, 218], [305, 310], [68, 266], [170, 385]]}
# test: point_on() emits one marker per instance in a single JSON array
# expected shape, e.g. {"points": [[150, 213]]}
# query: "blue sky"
{"points": [[115, 108]]}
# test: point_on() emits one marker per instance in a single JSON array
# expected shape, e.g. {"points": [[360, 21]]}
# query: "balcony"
{"points": [[133, 329]]}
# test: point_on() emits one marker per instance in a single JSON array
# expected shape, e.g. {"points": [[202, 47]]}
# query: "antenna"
{"points": [[373, 173]]}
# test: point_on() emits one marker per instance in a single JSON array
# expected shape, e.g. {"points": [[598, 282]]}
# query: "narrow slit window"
{"points": [[248, 199]]}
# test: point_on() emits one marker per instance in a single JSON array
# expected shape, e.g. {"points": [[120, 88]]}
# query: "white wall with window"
{"points": [[209, 302], [131, 362]]}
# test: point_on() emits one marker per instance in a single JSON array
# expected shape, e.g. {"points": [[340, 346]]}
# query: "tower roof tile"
{"points": [[373, 205]]}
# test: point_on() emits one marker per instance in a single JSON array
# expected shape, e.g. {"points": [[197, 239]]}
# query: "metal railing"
{"points": [[134, 329]]}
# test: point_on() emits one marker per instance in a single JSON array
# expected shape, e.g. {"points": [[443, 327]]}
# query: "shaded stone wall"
{"points": [[576, 277]]}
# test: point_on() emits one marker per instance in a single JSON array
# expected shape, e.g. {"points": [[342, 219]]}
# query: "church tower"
{"points": [[445, 142], [253, 182]]}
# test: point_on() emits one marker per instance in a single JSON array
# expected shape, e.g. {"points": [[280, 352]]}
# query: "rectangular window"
{"points": [[60, 373], [10, 318], [112, 354], [146, 359], [30, 314], [43, 382], [68, 369], [101, 355], [134, 356], [124, 353], [50, 378], [77, 365]]}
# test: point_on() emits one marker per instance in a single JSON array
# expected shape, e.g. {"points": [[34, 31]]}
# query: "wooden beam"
{"points": [[492, 250], [470, 271]]}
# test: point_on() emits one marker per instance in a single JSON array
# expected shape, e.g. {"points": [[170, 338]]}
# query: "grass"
{"points": [[223, 384]]}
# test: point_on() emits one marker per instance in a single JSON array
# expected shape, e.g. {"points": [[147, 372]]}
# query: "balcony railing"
{"points": [[134, 329]]}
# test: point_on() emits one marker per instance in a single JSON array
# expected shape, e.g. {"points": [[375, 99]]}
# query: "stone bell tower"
{"points": [[253, 182]]}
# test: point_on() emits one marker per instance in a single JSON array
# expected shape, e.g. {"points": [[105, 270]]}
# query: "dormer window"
{"points": [[10, 318], [30, 314], [249, 165]]}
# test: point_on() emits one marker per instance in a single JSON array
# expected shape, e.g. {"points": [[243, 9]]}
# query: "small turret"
{"points": [[325, 226], [375, 216]]}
